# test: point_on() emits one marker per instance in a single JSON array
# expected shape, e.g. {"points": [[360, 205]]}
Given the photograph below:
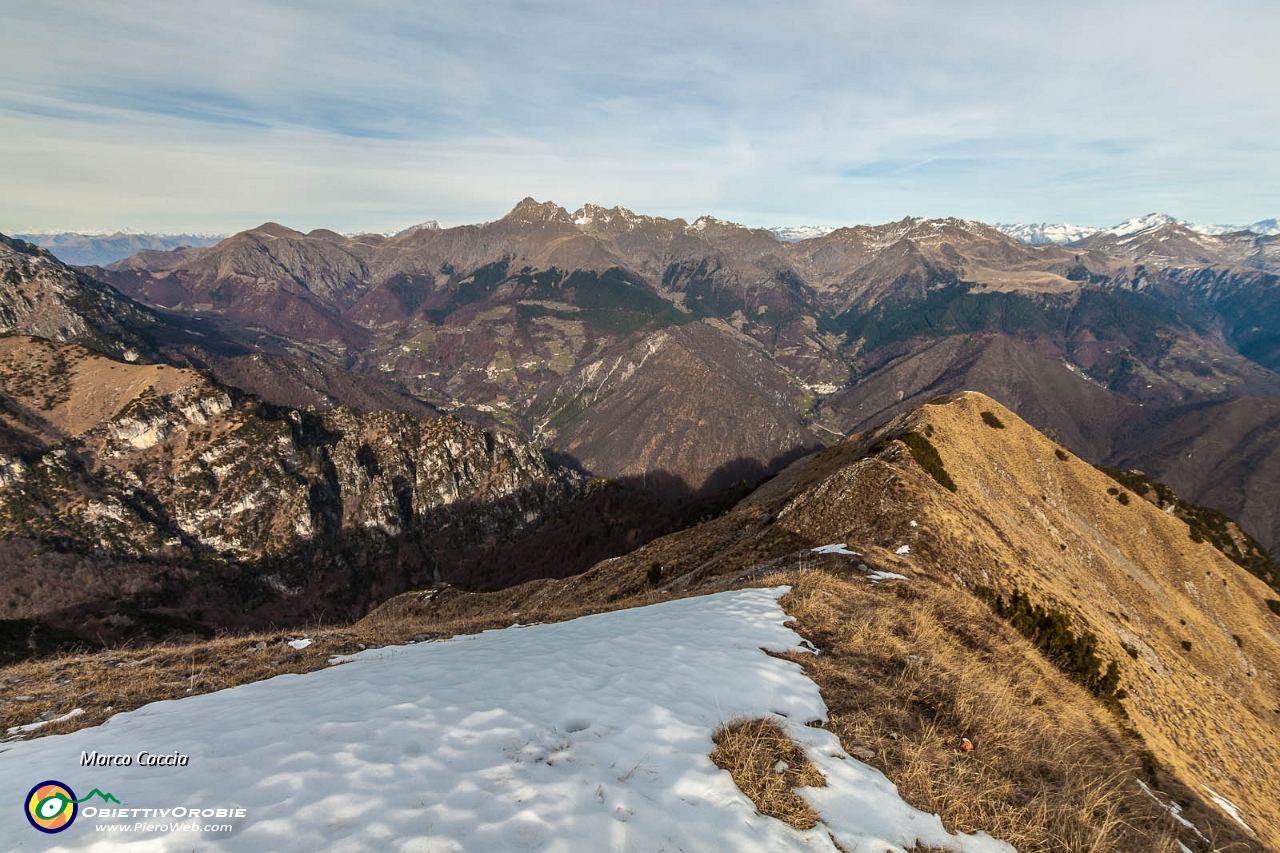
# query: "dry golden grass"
{"points": [[907, 670], [74, 389], [768, 766], [1131, 574]]}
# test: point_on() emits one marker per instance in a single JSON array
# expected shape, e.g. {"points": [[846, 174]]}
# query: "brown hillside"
{"points": [[74, 389], [1205, 683]]}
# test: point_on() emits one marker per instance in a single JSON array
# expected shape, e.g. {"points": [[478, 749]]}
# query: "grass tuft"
{"points": [[768, 766]]}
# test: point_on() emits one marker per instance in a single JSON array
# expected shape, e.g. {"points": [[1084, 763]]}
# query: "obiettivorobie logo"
{"points": [[52, 806]]}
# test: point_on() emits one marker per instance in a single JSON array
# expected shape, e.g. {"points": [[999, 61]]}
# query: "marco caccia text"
{"points": [[142, 759]]}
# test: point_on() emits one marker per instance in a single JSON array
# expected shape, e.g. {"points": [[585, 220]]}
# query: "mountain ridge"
{"points": [[487, 320]]}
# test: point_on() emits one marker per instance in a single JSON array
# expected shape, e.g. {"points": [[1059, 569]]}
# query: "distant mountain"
{"points": [[1169, 244], [1045, 232], [796, 233], [1062, 234], [83, 249], [430, 225]]}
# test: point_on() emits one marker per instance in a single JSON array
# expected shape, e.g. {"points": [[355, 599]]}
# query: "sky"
{"points": [[178, 116]]}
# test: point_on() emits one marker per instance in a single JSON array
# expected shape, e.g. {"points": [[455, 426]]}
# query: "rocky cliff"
{"points": [[155, 465]]}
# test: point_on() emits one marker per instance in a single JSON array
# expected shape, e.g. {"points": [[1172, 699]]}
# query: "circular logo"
{"points": [[51, 806]]}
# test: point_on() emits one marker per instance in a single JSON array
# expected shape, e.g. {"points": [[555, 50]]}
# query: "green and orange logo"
{"points": [[52, 806]]}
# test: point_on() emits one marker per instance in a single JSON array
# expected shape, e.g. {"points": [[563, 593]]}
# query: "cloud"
{"points": [[179, 116]]}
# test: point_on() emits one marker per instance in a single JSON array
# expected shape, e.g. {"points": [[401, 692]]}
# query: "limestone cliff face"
{"points": [[155, 463]]}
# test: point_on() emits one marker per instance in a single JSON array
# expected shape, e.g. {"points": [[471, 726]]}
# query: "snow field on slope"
{"points": [[589, 735]]}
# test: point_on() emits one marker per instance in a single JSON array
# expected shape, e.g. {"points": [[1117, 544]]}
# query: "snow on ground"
{"points": [[1173, 809], [837, 548], [589, 735], [877, 577], [1232, 810], [31, 727]]}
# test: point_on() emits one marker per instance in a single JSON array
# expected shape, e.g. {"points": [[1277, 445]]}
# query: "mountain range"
{"points": [[680, 361], [577, 330], [75, 247], [1062, 233], [101, 249]]}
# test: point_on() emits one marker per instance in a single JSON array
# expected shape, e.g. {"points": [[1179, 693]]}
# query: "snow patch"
{"points": [[1172, 808], [593, 734], [31, 727], [837, 548], [1232, 810]]}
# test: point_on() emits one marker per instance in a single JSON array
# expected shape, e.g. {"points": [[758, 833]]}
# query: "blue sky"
{"points": [[182, 116]]}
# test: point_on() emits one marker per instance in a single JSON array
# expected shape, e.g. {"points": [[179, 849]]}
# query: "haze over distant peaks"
{"points": [[100, 249]]}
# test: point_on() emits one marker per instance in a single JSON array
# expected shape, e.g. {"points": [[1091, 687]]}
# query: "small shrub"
{"points": [[926, 456], [1123, 497], [1186, 645], [1112, 490], [1058, 452], [1050, 631], [990, 419], [1274, 605], [1239, 642]]}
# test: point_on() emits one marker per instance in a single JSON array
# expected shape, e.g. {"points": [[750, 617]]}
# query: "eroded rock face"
{"points": [[42, 297], [149, 462]]}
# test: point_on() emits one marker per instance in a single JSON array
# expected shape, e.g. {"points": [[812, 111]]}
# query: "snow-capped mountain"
{"points": [[796, 233], [1266, 227], [1045, 232], [1061, 233], [1141, 223], [429, 225]]}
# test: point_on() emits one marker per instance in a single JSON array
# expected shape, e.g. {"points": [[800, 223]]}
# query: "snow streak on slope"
{"points": [[585, 735]]}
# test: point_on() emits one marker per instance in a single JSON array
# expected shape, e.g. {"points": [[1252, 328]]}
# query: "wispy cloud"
{"points": [[179, 115]]}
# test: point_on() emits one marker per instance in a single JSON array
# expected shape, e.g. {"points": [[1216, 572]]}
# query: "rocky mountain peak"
{"points": [[594, 214], [1141, 223], [531, 212], [702, 223], [429, 225]]}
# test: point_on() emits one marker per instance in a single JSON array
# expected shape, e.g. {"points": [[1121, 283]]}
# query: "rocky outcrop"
{"points": [[40, 296], [331, 510]]}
